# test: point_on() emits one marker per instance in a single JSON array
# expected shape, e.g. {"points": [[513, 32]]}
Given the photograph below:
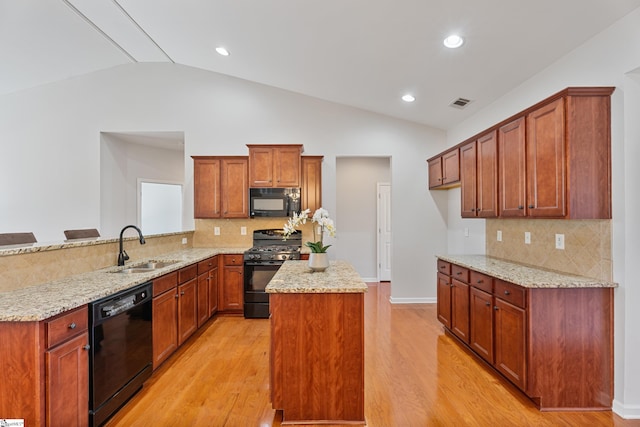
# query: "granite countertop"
{"points": [[39, 302], [524, 275], [295, 277]]}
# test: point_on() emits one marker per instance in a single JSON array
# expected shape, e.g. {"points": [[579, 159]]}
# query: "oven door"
{"points": [[257, 276]]}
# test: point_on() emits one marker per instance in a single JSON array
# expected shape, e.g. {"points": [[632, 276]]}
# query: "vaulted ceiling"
{"points": [[361, 53]]}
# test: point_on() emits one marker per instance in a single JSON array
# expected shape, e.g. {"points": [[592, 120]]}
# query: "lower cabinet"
{"points": [[45, 375], [232, 286], [165, 325], [187, 310], [549, 342]]}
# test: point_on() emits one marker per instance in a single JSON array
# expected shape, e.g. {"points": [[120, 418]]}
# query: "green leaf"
{"points": [[317, 248]]}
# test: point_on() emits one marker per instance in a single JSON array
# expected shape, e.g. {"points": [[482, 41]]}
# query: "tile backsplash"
{"points": [[230, 231], [587, 244]]}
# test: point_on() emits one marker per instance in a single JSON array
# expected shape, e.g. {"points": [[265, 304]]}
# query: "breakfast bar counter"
{"points": [[317, 343]]}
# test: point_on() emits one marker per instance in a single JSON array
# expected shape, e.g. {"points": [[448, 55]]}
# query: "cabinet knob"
{"points": [[487, 303], [531, 206], [459, 273], [480, 281], [86, 347], [72, 325], [495, 307], [177, 296], [520, 207], [507, 293], [181, 293]]}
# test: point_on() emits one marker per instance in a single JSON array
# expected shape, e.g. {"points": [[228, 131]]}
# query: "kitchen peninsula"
{"points": [[317, 343]]}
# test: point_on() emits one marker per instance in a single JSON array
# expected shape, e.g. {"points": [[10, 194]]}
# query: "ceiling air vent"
{"points": [[460, 103]]}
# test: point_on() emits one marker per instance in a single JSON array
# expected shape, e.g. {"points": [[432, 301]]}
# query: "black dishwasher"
{"points": [[121, 354]]}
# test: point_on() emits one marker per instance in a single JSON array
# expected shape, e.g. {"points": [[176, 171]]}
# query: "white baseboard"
{"points": [[628, 412], [412, 300]]}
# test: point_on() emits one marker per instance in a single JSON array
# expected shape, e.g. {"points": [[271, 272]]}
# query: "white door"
{"points": [[384, 232]]}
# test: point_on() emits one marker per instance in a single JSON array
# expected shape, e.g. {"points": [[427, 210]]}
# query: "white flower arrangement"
{"points": [[320, 217]]}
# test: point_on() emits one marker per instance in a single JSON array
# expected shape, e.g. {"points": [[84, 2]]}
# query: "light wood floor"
{"points": [[415, 376]]}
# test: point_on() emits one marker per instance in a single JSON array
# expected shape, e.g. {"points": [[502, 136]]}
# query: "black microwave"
{"points": [[274, 202]]}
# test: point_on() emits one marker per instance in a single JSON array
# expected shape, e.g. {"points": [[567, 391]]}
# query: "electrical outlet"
{"points": [[560, 241], [527, 238], [243, 231], [499, 236], [216, 231], [184, 240], [466, 232]]}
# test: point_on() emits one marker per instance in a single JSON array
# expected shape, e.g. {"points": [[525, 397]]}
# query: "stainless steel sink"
{"points": [[144, 267]]}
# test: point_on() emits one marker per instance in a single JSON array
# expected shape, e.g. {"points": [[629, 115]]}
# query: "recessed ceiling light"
{"points": [[408, 98], [222, 51], [453, 41]]}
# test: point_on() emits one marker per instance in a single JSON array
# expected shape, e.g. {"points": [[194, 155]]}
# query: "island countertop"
{"points": [[297, 277]]}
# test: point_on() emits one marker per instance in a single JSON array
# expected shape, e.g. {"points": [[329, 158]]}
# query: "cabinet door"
{"points": [[232, 289], [481, 323], [165, 326], [311, 192], [261, 171], [546, 161], [468, 180], [451, 167], [460, 309], [206, 188], [510, 342], [213, 291], [286, 166], [67, 386], [235, 188], [512, 169], [203, 299], [487, 176], [435, 172], [444, 300], [187, 310]]}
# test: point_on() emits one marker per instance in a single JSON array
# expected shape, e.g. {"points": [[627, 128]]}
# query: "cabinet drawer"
{"points": [[66, 325], [506, 291], [235, 259], [460, 273], [187, 273], [481, 281], [164, 283], [444, 267], [206, 265]]}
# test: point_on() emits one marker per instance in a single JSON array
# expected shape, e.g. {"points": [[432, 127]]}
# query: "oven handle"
{"points": [[253, 263]]}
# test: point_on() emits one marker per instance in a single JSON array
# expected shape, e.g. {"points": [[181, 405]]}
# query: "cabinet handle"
{"points": [[459, 273], [520, 207], [480, 281], [507, 293], [442, 267], [487, 304], [86, 347], [531, 206], [495, 307], [181, 293], [177, 296], [72, 325]]}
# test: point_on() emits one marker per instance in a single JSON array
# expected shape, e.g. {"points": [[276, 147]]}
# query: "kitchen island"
{"points": [[317, 343]]}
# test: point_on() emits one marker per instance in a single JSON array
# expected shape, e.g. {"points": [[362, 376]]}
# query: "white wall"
{"points": [[356, 213], [121, 164], [604, 60], [54, 149]]}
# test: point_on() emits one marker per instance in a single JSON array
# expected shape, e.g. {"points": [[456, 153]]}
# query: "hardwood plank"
{"points": [[415, 375]]}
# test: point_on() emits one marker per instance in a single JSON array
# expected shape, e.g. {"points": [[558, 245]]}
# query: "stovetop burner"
{"points": [[268, 245]]}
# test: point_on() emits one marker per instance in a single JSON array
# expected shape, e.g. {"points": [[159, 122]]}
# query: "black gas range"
{"points": [[261, 263]]}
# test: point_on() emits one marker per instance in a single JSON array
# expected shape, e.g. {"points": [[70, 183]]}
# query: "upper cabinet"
{"points": [[274, 165], [479, 177], [553, 160], [220, 186], [311, 179], [444, 170]]}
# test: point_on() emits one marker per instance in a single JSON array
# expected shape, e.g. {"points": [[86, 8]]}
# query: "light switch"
{"points": [[243, 231], [560, 241], [184, 240], [527, 237], [499, 236], [216, 231]]}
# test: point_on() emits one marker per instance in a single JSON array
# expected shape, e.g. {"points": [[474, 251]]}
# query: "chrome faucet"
{"points": [[122, 255]]}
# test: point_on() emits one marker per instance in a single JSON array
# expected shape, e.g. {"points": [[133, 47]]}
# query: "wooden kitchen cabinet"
{"points": [[311, 180], [45, 375], [221, 188], [512, 169], [207, 278], [187, 310], [231, 286], [165, 325], [479, 177], [274, 165], [444, 170], [548, 342], [206, 187]]}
